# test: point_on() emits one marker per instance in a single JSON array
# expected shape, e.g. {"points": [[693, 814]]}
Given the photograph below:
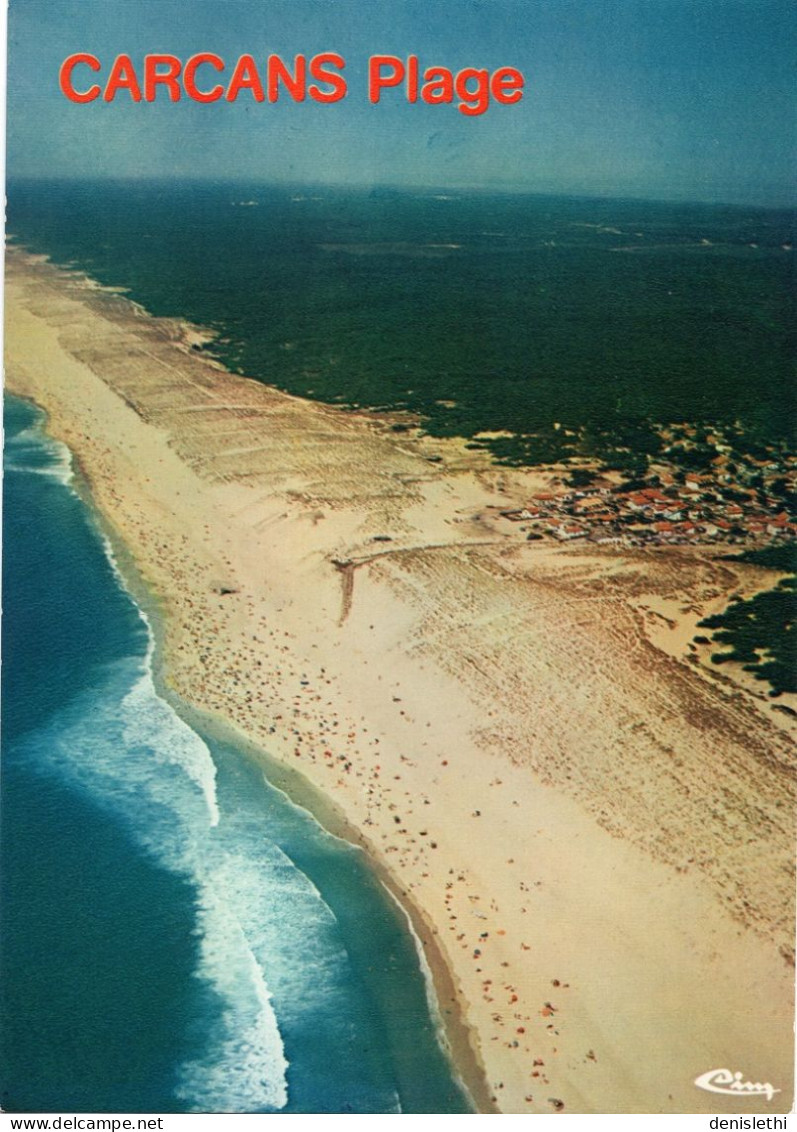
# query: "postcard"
{"points": [[398, 559]]}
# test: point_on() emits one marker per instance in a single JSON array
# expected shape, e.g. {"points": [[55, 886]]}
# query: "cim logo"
{"points": [[732, 1085]]}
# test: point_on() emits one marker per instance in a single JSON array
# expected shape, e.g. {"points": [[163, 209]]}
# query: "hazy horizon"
{"points": [[644, 99], [458, 190]]}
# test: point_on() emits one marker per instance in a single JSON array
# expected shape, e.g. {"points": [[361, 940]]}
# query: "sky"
{"points": [[659, 99]]}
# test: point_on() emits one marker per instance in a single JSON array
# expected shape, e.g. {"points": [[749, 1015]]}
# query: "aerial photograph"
{"points": [[399, 681]]}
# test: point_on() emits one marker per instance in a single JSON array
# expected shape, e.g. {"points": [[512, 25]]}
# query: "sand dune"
{"points": [[592, 830]]}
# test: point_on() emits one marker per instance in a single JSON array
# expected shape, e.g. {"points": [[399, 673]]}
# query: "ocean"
{"points": [[178, 935]]}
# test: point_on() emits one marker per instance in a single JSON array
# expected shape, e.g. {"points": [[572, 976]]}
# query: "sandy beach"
{"points": [[591, 828]]}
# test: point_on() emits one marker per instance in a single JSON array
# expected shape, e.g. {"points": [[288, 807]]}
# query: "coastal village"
{"points": [[731, 497]]}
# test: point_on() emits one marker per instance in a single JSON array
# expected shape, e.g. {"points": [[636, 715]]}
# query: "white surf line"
{"points": [[202, 769], [37, 437]]}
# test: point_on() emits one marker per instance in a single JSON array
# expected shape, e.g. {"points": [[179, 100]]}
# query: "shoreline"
{"points": [[457, 1044], [260, 566]]}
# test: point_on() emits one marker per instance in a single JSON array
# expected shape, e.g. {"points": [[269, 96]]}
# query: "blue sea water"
{"points": [[177, 934]]}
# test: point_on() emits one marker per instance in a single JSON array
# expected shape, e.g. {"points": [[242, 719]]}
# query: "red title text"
{"points": [[207, 78]]}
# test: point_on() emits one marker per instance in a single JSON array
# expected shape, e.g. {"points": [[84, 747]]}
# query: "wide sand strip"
{"points": [[594, 832]]}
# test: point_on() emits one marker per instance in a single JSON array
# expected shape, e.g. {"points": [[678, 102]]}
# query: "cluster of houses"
{"points": [[672, 507]]}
